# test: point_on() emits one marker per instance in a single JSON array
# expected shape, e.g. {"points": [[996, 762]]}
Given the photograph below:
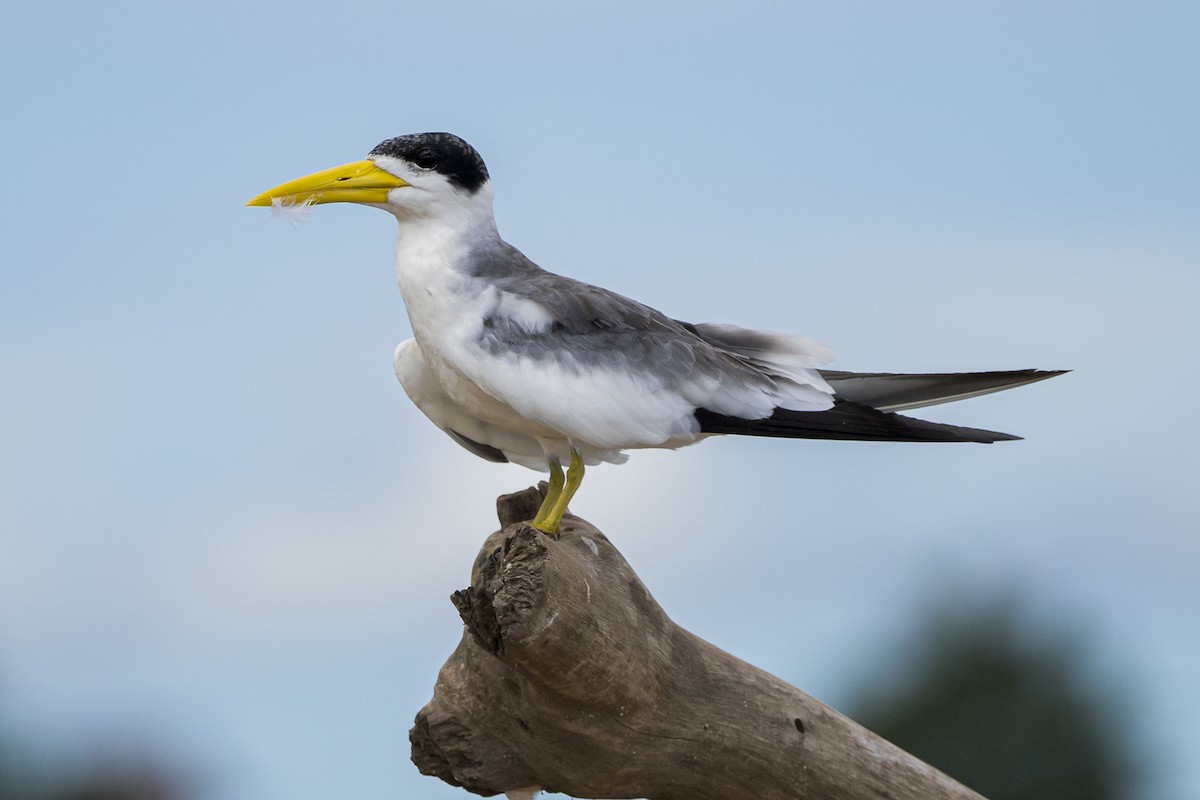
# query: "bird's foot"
{"points": [[546, 528], [549, 516]]}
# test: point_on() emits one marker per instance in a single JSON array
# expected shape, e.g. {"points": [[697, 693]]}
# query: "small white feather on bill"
{"points": [[290, 210]]}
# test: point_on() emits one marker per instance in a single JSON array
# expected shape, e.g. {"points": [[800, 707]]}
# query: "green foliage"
{"points": [[1005, 711]]}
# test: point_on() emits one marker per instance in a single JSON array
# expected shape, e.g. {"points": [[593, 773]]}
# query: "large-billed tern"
{"points": [[519, 364]]}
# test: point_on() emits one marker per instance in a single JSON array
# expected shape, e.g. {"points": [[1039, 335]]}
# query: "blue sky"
{"points": [[223, 529]]}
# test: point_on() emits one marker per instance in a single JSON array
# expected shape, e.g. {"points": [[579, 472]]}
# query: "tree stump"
{"points": [[570, 677]]}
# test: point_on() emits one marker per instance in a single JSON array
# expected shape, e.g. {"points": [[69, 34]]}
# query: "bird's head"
{"points": [[421, 174]]}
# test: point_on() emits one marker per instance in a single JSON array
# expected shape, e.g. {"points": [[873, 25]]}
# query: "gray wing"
{"points": [[595, 327], [591, 328], [638, 373]]}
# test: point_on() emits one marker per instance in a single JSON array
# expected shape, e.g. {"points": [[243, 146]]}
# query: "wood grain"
{"points": [[569, 676]]}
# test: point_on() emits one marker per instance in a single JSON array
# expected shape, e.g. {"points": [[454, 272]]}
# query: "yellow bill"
{"points": [[357, 182]]}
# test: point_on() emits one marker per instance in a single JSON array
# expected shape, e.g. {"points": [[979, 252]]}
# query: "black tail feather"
{"points": [[846, 421]]}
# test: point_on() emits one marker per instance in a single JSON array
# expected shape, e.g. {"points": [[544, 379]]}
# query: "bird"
{"points": [[519, 364]]}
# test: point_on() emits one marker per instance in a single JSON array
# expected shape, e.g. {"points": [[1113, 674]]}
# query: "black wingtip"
{"points": [[901, 391], [847, 421]]}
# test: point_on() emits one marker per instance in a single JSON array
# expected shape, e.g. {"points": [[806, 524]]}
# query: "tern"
{"points": [[518, 364]]}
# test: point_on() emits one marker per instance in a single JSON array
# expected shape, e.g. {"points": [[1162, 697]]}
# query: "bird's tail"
{"points": [[897, 391], [847, 420]]}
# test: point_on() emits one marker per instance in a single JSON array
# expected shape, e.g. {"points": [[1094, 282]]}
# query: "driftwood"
{"points": [[569, 676]]}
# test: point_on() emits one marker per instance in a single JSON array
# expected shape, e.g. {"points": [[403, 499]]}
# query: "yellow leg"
{"points": [[549, 524], [552, 493]]}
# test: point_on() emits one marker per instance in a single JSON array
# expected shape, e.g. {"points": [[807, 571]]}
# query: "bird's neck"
{"points": [[434, 257], [442, 243], [421, 241]]}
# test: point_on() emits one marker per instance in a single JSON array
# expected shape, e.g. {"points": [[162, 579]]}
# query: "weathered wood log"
{"points": [[569, 676]]}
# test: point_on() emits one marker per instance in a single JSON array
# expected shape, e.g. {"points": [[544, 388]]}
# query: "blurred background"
{"points": [[227, 540]]}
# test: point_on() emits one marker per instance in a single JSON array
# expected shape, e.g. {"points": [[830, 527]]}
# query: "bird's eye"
{"points": [[425, 159]]}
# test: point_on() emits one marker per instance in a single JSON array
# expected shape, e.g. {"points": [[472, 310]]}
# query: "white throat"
{"points": [[434, 246]]}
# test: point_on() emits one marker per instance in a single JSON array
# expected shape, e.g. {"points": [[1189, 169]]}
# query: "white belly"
{"points": [[483, 419]]}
